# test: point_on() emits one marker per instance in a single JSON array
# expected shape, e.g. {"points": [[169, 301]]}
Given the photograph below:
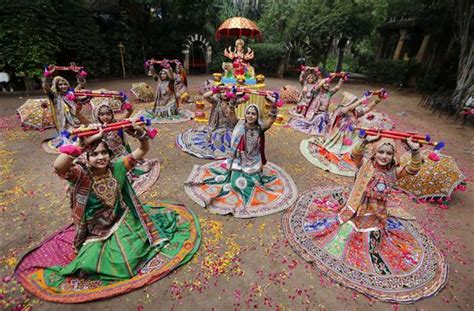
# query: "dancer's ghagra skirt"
{"points": [[399, 264], [119, 264]]}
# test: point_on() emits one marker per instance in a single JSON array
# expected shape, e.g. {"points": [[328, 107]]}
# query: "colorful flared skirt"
{"points": [[316, 126], [183, 115], [123, 262], [203, 143], [399, 264], [144, 175], [314, 152], [244, 195]]}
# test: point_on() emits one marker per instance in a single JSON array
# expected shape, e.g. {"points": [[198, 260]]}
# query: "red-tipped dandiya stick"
{"points": [[82, 130], [109, 128], [99, 94], [66, 68], [426, 140], [401, 134]]}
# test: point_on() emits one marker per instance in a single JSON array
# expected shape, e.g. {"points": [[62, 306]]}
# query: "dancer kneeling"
{"points": [[213, 141], [245, 184], [116, 243], [356, 240]]}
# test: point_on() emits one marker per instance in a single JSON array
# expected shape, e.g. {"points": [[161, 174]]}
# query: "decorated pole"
{"points": [[122, 52]]}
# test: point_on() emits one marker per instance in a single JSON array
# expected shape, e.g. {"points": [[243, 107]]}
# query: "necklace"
{"points": [[105, 187], [251, 140]]}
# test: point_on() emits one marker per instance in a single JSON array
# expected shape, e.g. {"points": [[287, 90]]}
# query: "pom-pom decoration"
{"points": [[70, 150], [152, 133]]}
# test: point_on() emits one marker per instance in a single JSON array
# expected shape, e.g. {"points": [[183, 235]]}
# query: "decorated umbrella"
{"points": [[435, 180], [143, 91], [238, 27], [36, 114]]}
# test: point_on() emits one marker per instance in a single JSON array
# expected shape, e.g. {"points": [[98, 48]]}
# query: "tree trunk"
{"points": [[341, 46], [464, 81], [28, 83], [326, 54]]}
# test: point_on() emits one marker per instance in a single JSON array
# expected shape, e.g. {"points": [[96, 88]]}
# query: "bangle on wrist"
{"points": [[143, 137]]}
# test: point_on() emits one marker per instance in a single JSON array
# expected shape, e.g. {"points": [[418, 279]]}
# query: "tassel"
{"points": [[152, 133], [383, 94], [46, 72], [434, 156], [70, 150], [230, 95], [439, 146], [65, 133], [126, 106], [70, 96], [347, 141]]}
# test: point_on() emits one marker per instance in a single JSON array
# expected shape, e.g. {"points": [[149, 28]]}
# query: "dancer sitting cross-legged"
{"points": [[314, 103], [244, 184], [116, 243], [213, 141], [332, 152], [359, 239], [146, 171]]}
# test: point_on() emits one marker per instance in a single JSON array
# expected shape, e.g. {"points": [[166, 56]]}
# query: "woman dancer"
{"points": [[181, 84], [166, 104], [213, 141], [355, 238], [66, 112], [314, 105], [117, 244], [245, 184], [333, 152], [146, 172]]}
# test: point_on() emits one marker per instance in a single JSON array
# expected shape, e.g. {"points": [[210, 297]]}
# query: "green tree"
{"points": [[323, 21], [28, 40]]}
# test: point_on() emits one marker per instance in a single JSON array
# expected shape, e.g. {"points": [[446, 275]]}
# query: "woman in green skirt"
{"points": [[117, 243]]}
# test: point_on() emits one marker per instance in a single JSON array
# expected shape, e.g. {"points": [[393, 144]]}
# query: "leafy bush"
{"points": [[384, 70], [267, 57], [348, 64], [216, 62]]}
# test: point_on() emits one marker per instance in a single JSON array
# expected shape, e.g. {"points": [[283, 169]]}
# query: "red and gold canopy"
{"points": [[238, 27]]}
